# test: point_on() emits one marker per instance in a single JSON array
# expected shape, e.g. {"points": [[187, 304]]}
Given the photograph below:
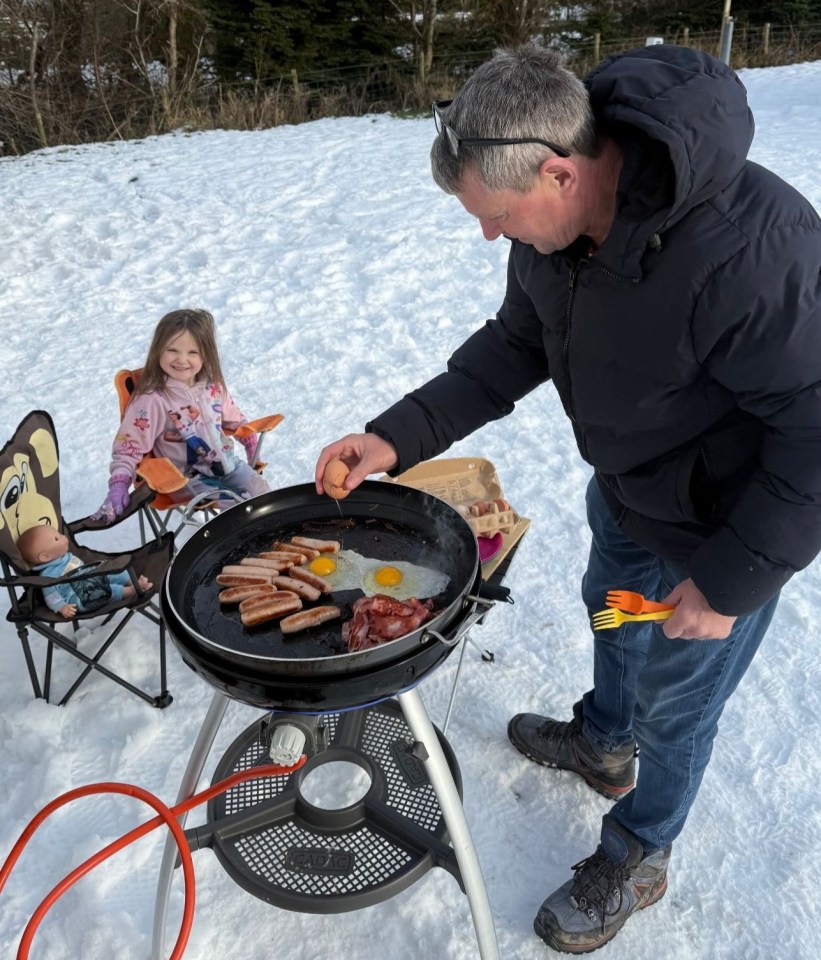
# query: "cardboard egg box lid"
{"points": [[462, 481]]}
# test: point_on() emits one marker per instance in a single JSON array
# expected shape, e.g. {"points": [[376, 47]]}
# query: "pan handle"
{"points": [[476, 616]]}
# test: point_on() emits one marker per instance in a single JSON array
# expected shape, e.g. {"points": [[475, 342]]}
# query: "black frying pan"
{"points": [[380, 520]]}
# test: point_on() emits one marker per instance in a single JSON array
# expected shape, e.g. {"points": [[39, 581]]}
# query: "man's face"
{"points": [[544, 217]]}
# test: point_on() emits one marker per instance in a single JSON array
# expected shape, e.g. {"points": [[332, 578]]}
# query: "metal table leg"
{"points": [[454, 815], [459, 665], [188, 786]]}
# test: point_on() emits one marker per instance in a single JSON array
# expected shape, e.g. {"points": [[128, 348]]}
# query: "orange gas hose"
{"points": [[166, 815]]}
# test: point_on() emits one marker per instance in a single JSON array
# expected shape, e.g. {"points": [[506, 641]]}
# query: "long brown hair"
{"points": [[200, 324]]}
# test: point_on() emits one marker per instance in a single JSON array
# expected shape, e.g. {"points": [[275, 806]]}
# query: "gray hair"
{"points": [[522, 92]]}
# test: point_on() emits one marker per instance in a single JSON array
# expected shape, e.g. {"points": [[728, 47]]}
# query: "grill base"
{"points": [[281, 848]]}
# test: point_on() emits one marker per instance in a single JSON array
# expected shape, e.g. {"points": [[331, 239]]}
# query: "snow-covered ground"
{"points": [[341, 277]]}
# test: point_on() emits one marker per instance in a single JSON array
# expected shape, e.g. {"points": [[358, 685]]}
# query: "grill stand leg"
{"points": [[454, 816], [190, 779]]}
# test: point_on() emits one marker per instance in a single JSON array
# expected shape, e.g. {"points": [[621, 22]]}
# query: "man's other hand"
{"points": [[694, 618]]}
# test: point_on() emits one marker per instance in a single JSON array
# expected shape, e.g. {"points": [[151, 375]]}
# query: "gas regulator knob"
{"points": [[287, 744]]}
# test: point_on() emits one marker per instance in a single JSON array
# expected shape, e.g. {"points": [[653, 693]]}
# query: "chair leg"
{"points": [[93, 663], [158, 525], [47, 672], [152, 611], [165, 697], [22, 633]]}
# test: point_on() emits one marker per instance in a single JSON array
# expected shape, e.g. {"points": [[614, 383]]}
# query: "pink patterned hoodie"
{"points": [[181, 423]]}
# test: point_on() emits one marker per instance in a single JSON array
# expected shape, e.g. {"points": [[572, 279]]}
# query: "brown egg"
{"points": [[333, 478]]}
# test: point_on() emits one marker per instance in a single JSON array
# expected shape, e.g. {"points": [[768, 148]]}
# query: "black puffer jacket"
{"points": [[686, 352]]}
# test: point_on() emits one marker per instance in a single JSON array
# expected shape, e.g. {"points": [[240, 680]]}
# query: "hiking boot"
{"points": [[606, 889], [560, 743]]}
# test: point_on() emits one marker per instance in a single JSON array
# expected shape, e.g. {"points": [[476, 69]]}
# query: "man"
{"points": [[670, 290]]}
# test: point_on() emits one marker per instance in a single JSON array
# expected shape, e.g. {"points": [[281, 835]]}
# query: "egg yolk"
{"points": [[388, 576], [322, 566]]}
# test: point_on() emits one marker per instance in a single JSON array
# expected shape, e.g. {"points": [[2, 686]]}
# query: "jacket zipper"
{"points": [[571, 290]]}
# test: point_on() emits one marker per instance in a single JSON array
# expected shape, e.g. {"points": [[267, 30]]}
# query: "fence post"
{"points": [[295, 81], [596, 47], [726, 40], [685, 40], [765, 40]]}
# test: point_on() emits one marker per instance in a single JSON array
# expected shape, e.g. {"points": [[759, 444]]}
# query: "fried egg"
{"points": [[343, 570], [349, 570]]}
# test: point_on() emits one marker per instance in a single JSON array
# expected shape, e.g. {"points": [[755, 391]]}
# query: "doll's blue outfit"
{"points": [[86, 594]]}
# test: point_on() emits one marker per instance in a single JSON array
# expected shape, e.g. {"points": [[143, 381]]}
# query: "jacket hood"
{"points": [[682, 119]]}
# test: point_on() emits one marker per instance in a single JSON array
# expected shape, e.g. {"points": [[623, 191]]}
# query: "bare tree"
{"points": [[421, 18], [514, 22]]}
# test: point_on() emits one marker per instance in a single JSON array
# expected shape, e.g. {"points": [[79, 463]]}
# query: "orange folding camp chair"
{"points": [[165, 479]]}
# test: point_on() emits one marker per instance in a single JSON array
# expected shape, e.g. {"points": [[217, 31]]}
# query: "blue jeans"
{"points": [[667, 694]]}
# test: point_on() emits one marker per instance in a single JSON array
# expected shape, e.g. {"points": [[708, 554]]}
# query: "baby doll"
{"points": [[46, 552]]}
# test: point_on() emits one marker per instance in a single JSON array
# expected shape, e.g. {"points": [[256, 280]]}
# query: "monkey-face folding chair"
{"points": [[30, 496], [167, 512]]}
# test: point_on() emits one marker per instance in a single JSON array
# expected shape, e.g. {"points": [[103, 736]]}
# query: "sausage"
{"points": [[271, 610], [281, 556], [304, 590], [265, 562], [238, 594], [323, 546], [246, 570], [306, 619], [320, 583], [305, 552], [237, 580], [255, 601]]}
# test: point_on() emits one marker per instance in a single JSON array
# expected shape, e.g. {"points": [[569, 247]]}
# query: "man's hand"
{"points": [[362, 453], [694, 618]]}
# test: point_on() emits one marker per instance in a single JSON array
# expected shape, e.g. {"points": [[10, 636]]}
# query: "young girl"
{"points": [[178, 410]]}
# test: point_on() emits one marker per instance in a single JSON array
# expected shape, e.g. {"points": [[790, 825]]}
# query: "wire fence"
{"points": [[37, 114]]}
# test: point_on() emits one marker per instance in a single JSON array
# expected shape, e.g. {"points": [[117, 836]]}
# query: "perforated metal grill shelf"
{"points": [[286, 851]]}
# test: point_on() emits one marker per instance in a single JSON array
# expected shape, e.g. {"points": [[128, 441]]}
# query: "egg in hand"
{"points": [[349, 570]]}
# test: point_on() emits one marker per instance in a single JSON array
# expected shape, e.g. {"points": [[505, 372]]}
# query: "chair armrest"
{"points": [[140, 497], [111, 565], [261, 425], [161, 475]]}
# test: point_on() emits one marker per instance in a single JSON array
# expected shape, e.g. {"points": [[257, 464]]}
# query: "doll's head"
{"points": [[200, 325], [41, 544]]}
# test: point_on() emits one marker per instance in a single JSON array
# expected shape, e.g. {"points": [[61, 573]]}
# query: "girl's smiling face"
{"points": [[181, 360]]}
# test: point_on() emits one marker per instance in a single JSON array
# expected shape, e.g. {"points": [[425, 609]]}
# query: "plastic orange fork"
{"points": [[631, 602]]}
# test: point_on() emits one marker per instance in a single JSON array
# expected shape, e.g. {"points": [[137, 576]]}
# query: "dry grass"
{"points": [[37, 115]]}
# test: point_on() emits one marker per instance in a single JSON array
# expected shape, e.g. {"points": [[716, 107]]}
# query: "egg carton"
{"points": [[464, 482], [492, 523]]}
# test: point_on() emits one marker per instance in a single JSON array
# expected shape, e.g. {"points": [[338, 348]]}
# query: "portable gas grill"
{"points": [[360, 708]]}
